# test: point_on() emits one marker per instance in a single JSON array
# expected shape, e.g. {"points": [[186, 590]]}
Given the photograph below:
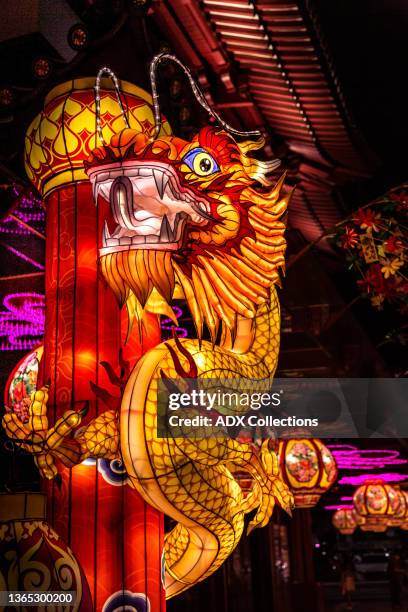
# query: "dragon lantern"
{"points": [[200, 221]]}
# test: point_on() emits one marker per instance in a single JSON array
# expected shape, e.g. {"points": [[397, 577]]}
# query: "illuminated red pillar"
{"points": [[116, 536]]}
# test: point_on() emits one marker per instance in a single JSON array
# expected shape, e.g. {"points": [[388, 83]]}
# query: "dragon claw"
{"points": [[35, 437], [268, 488]]}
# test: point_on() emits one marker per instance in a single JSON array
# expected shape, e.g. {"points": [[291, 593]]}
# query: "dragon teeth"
{"points": [[105, 235], [95, 191], [161, 180], [125, 240], [166, 233], [138, 239]]}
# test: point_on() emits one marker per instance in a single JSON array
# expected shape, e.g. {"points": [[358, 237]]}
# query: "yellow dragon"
{"points": [[194, 220]]}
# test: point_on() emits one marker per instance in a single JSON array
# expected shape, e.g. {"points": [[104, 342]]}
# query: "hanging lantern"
{"points": [[33, 557], [345, 520], [308, 468], [377, 502], [398, 520]]}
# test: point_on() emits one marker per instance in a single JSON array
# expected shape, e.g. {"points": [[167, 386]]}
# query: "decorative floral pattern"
{"points": [[377, 499], [113, 471], [126, 600], [375, 239], [302, 462], [23, 383], [46, 563]]}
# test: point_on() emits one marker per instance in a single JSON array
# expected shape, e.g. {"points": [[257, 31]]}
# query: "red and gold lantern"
{"points": [[377, 502], [82, 329], [345, 520], [308, 468], [33, 557]]}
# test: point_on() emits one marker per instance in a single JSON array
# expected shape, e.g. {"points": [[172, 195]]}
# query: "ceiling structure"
{"points": [[276, 76]]}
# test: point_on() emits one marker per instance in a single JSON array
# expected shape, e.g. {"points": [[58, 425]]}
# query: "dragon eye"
{"points": [[201, 162]]}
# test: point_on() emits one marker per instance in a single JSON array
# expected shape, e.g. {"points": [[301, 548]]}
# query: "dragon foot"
{"points": [[35, 437], [268, 487]]}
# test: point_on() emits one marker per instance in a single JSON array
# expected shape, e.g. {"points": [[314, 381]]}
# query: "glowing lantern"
{"points": [[401, 511], [377, 502], [45, 563], [83, 329], [345, 520], [309, 469]]}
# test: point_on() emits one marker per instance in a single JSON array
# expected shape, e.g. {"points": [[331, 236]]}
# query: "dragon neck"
{"points": [[259, 335]]}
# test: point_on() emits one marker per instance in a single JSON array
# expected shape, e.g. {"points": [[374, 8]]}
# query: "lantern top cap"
{"points": [[62, 136], [374, 481], [88, 83]]}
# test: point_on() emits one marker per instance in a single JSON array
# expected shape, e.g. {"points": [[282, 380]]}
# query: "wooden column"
{"points": [[306, 593]]}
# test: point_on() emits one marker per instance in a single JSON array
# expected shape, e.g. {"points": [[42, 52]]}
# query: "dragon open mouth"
{"points": [[150, 207]]}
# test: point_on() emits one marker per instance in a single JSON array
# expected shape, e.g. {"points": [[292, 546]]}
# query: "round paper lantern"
{"points": [[33, 557], [377, 502], [308, 468], [345, 520]]}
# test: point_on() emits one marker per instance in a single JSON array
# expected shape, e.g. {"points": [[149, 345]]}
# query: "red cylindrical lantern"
{"points": [[377, 502], [308, 468], [117, 536]]}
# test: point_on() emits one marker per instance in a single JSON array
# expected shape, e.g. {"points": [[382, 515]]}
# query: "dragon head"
{"points": [[197, 219]]}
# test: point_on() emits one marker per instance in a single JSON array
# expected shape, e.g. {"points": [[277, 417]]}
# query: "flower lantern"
{"points": [[345, 520], [45, 563], [308, 468], [377, 502]]}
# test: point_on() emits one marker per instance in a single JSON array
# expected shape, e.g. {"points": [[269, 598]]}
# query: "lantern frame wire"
{"points": [[198, 94], [154, 64], [114, 79]]}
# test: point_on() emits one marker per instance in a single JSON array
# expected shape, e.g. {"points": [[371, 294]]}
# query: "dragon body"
{"points": [[198, 221]]}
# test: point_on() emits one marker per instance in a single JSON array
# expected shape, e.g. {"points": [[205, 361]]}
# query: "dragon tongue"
{"points": [[166, 233]]}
